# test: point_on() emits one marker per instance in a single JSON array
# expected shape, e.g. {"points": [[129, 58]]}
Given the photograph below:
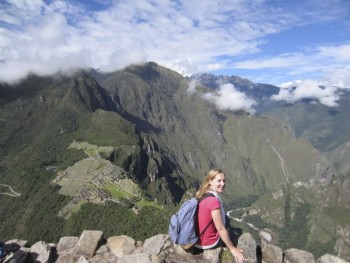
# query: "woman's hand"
{"points": [[238, 254], [219, 225]]}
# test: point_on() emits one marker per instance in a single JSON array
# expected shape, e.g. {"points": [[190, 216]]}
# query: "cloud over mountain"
{"points": [[228, 98], [258, 40], [308, 89], [326, 91]]}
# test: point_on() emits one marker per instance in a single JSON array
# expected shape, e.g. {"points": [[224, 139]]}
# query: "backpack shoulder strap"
{"points": [[205, 195]]}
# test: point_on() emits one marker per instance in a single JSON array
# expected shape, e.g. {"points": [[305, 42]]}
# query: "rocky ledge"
{"points": [[92, 247]]}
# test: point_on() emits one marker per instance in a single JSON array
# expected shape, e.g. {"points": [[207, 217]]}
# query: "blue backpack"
{"points": [[183, 229]]}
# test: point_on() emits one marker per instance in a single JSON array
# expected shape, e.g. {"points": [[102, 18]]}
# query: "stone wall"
{"points": [[92, 247]]}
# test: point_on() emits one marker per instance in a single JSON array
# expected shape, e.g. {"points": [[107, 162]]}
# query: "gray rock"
{"points": [[247, 243], [328, 258], [180, 251], [157, 249], [21, 255], [272, 254], [139, 243], [189, 258], [105, 258], [88, 243], [65, 258], [82, 259], [8, 257], [66, 243], [155, 244], [343, 236], [102, 250], [212, 255], [17, 250], [121, 245], [18, 242], [40, 252], [294, 255], [136, 258], [156, 259]]}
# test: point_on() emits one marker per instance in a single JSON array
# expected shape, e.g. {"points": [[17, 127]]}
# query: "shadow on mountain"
{"points": [[141, 125]]}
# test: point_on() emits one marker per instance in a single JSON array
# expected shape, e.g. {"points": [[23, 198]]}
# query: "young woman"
{"points": [[211, 215]]}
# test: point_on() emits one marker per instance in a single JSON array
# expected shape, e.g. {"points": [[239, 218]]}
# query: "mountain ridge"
{"points": [[164, 138]]}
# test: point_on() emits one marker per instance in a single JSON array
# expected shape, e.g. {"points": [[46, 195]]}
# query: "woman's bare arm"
{"points": [[219, 224]]}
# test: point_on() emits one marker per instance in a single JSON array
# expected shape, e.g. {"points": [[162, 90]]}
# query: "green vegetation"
{"points": [[69, 158], [115, 219], [318, 249], [47, 119], [110, 129], [241, 202], [20, 215], [147, 130], [326, 128], [117, 191], [340, 215], [295, 231]]}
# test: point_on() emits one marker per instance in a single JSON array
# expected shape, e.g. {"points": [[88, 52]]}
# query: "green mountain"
{"points": [[117, 151], [326, 128], [197, 136], [41, 118]]}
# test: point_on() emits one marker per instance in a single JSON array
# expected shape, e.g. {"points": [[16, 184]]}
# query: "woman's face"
{"points": [[218, 183]]}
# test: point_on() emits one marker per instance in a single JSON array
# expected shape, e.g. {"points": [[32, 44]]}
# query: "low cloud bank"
{"points": [[226, 97], [326, 92], [308, 89]]}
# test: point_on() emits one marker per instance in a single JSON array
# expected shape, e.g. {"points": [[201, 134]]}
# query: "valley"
{"points": [[121, 151], [283, 165]]}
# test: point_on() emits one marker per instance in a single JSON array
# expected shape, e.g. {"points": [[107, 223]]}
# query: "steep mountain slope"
{"points": [[305, 214], [261, 154], [86, 148], [328, 129], [313, 215], [40, 118], [325, 127], [198, 136]]}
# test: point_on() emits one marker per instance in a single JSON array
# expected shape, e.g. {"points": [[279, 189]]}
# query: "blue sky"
{"points": [[280, 42]]}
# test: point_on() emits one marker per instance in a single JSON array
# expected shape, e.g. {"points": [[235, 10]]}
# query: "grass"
{"points": [[143, 203], [116, 191], [226, 256], [79, 175], [91, 149], [340, 215]]}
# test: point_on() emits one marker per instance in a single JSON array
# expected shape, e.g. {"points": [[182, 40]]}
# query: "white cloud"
{"points": [[339, 53], [192, 87], [228, 98], [186, 36], [332, 62], [339, 77], [309, 89], [183, 35], [328, 64]]}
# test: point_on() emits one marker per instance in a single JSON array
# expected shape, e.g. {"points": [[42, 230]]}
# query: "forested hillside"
{"points": [[119, 151]]}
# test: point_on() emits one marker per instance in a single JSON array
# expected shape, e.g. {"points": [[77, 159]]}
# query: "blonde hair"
{"points": [[205, 186]]}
